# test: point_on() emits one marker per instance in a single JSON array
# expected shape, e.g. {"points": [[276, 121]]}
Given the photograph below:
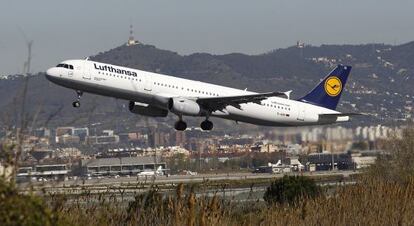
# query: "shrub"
{"points": [[20, 209], [396, 165], [289, 189]]}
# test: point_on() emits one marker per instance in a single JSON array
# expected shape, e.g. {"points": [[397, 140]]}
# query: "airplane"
{"points": [[155, 95], [158, 172]]}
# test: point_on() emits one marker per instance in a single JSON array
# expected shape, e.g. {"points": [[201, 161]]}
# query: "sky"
{"points": [[77, 28]]}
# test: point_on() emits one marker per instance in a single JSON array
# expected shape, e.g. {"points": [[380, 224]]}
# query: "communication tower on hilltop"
{"points": [[131, 40], [300, 45]]}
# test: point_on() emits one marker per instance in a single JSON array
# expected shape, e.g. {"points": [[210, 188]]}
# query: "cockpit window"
{"points": [[65, 66]]}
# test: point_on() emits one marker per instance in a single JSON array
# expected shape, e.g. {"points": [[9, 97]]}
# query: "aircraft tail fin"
{"points": [[328, 92]]}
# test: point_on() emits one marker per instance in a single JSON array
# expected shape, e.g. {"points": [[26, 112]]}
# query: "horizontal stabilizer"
{"points": [[335, 117]]}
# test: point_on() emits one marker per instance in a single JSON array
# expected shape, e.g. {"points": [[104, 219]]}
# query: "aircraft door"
{"points": [[147, 83], [301, 114]]}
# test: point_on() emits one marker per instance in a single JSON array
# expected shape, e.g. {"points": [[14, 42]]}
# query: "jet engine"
{"points": [[184, 106], [147, 110]]}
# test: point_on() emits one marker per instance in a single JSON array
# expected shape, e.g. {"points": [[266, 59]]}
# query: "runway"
{"points": [[173, 180]]}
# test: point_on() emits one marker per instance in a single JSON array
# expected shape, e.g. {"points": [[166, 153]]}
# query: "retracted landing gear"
{"points": [[76, 103]]}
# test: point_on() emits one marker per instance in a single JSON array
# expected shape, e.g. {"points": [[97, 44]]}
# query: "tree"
{"points": [[290, 189], [22, 209]]}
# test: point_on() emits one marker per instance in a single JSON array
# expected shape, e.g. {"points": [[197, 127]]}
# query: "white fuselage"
{"points": [[146, 87]]}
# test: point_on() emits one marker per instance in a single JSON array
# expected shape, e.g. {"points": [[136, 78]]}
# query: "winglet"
{"points": [[287, 93]]}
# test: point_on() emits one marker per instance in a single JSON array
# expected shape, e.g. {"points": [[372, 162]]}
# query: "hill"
{"points": [[380, 84]]}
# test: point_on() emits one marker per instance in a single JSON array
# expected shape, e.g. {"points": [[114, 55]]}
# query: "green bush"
{"points": [[21, 209], [289, 189]]}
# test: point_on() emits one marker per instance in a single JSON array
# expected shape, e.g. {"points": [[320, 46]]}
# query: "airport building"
{"points": [[43, 172], [329, 161], [119, 166], [363, 159]]}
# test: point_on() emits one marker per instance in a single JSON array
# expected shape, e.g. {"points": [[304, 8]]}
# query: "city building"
{"points": [[363, 159], [42, 132], [107, 137], [6, 171]]}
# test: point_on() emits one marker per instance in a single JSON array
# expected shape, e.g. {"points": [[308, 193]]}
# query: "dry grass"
{"points": [[373, 203], [369, 203]]}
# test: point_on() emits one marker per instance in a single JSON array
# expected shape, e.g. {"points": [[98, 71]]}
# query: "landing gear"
{"points": [[180, 125], [206, 125], [76, 103]]}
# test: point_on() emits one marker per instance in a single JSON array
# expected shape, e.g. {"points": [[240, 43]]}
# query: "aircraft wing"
{"points": [[340, 114], [219, 103]]}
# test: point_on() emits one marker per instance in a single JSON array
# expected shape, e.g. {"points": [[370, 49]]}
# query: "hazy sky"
{"points": [[79, 28]]}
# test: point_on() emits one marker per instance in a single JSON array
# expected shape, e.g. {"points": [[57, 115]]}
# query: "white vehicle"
{"points": [[42, 179], [156, 95], [278, 163], [158, 172], [189, 173]]}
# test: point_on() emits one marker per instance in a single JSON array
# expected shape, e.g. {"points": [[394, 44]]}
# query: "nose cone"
{"points": [[51, 72]]}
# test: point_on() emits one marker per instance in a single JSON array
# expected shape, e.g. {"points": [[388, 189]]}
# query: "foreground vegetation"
{"points": [[384, 195], [379, 202]]}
